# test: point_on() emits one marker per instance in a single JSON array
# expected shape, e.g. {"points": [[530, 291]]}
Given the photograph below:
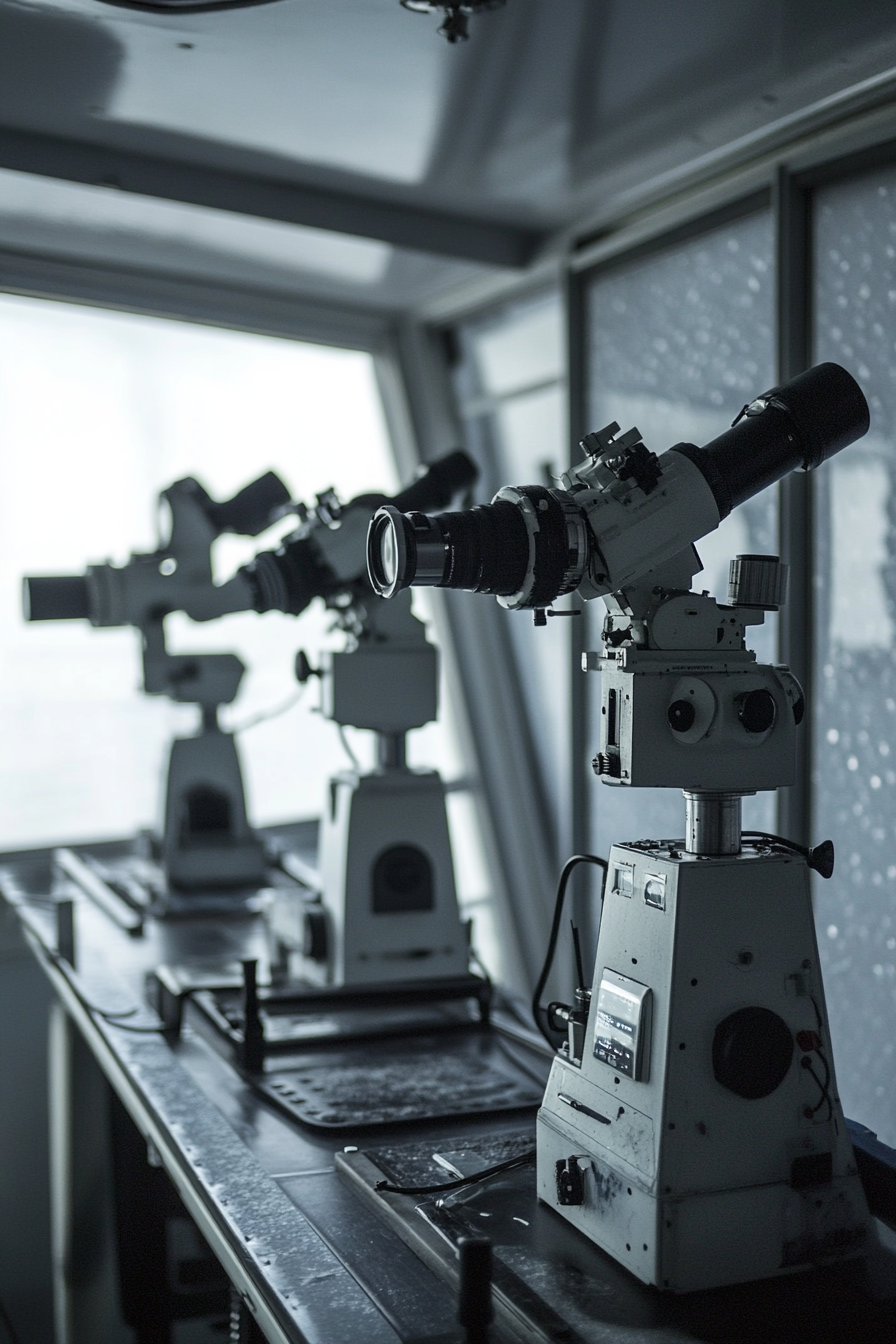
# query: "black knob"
{"points": [[752, 1051], [475, 1310], [314, 934], [304, 670], [757, 710], [821, 858], [681, 715]]}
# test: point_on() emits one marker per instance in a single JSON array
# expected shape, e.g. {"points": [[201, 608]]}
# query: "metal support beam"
{"points": [[579, 840], [342, 210], [269, 313], [793, 247]]}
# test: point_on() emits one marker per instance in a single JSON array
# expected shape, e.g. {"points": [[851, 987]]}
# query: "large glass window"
{"points": [[100, 410], [677, 343], [854, 714]]}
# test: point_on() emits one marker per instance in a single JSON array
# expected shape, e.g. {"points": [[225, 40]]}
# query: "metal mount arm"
{"points": [[205, 679]]}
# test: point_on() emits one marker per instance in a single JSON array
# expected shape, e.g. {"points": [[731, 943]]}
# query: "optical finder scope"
{"points": [[625, 510]]}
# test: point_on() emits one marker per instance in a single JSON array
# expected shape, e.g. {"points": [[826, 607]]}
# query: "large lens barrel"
{"points": [[799, 424], [63, 597], [530, 544], [485, 550]]}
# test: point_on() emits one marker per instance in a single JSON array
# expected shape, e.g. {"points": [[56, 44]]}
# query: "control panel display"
{"points": [[622, 1025]]}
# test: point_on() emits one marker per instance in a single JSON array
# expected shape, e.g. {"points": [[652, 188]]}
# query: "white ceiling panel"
{"points": [[353, 84]]}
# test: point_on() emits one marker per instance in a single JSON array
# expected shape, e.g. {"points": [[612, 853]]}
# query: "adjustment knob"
{"points": [[752, 1051], [757, 581], [681, 715], [314, 934], [303, 669], [757, 710]]}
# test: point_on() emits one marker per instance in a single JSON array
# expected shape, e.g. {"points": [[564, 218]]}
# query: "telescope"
{"points": [[207, 844], [385, 904], [692, 1094], [622, 513], [387, 908]]}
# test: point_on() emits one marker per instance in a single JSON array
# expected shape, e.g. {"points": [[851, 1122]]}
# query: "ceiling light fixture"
{"points": [[456, 23]]}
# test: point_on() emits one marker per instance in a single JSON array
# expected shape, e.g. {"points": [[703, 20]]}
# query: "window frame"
{"points": [[411, 354]]}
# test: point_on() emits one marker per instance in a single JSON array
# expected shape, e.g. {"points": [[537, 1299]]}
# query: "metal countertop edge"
{"points": [[225, 1172]]}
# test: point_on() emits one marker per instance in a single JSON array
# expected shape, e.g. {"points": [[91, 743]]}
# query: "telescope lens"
{"points": [[484, 550], [389, 556], [391, 561]]}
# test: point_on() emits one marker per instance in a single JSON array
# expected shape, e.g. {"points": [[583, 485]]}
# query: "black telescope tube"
{"points": [[799, 424], [489, 549], [63, 597], [483, 550], [252, 509], [438, 485]]}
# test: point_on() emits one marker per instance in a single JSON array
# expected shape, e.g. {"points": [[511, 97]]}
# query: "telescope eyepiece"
{"points": [[62, 597]]}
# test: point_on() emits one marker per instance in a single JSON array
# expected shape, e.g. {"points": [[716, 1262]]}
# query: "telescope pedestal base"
{"points": [[207, 841], [700, 1140], [388, 881]]}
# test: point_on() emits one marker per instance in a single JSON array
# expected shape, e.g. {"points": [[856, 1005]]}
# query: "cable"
{"points": [[537, 1011], [356, 764], [822, 1086], [486, 1175], [577, 948], [777, 840], [267, 714]]}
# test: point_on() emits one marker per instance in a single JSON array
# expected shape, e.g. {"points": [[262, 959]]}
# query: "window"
{"points": [[100, 410], [677, 342], [512, 393], [854, 711]]}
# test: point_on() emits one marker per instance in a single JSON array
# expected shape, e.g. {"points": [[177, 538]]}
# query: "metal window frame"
{"points": [[209, 303], [412, 368], [495, 727]]}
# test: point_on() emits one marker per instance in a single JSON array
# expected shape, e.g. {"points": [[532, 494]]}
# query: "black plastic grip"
{"points": [[63, 597], [439, 485], [252, 509]]}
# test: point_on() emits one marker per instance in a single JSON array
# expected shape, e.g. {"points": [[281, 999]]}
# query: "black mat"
{"points": [[425, 1077]]}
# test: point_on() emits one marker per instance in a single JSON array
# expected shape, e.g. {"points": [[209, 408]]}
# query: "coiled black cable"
{"points": [[538, 1012]]}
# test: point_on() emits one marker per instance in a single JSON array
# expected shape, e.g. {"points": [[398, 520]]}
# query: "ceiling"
{"points": [[342, 149]]}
